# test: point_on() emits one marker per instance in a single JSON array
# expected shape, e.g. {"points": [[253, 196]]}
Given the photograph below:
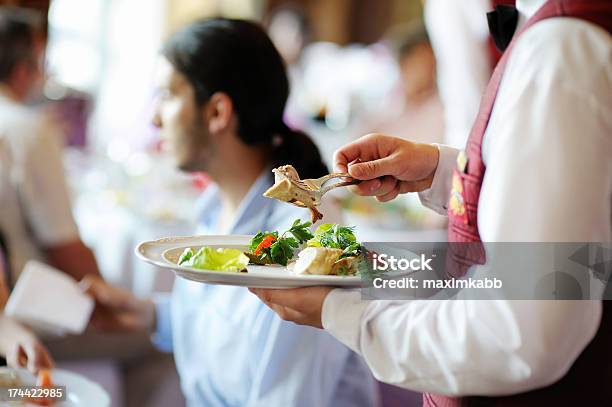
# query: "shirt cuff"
{"points": [[162, 337], [341, 316], [437, 196]]}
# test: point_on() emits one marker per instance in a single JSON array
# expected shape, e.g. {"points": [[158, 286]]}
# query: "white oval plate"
{"points": [[80, 391], [165, 252]]}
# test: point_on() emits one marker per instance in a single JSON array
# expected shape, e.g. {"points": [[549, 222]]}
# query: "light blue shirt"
{"points": [[232, 350]]}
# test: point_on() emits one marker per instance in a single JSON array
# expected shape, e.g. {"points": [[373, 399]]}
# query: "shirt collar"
{"points": [[252, 208]]}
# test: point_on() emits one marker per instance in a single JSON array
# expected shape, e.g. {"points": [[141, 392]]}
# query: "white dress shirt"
{"points": [[548, 154], [34, 200]]}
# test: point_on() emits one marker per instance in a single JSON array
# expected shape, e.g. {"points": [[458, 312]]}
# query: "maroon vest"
{"points": [[589, 381]]}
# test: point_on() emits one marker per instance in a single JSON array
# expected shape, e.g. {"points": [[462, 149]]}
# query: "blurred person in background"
{"points": [[36, 214], [416, 111], [18, 345], [223, 89], [465, 58], [290, 31], [413, 111]]}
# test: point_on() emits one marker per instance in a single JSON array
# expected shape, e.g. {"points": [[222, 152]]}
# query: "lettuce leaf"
{"points": [[208, 258]]}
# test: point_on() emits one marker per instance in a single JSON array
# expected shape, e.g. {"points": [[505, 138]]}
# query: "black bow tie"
{"points": [[502, 24]]}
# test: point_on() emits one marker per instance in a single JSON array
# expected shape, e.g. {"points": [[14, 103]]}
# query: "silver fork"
{"points": [[315, 186]]}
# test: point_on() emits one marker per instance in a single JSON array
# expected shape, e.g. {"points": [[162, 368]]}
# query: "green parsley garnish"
{"points": [[337, 237], [270, 248]]}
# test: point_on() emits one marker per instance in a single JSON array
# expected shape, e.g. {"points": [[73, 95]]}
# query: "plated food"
{"points": [[165, 254], [331, 250], [10, 379], [44, 380], [296, 257]]}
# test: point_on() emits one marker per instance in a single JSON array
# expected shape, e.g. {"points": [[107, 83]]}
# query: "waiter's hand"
{"points": [[300, 305], [118, 309], [21, 347], [388, 165]]}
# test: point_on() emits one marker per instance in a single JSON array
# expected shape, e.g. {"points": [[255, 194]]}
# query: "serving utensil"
{"points": [[316, 188], [304, 193]]}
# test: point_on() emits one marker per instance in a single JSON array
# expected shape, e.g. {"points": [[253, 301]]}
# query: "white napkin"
{"points": [[49, 301]]}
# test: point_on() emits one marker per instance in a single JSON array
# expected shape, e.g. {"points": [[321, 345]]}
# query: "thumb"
{"points": [[37, 356], [371, 169], [89, 285]]}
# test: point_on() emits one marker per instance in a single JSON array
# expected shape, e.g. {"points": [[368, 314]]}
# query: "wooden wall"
{"points": [[345, 21], [340, 21]]}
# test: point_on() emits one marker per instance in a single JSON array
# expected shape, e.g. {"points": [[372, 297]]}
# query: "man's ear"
{"points": [[219, 112]]}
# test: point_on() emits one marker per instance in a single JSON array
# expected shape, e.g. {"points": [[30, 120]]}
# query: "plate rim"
{"points": [[106, 401]]}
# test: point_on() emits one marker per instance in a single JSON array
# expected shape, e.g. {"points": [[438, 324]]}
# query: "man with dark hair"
{"points": [[20, 39], [222, 93], [36, 213]]}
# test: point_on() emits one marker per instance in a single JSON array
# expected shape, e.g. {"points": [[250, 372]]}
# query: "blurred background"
{"points": [[356, 66]]}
